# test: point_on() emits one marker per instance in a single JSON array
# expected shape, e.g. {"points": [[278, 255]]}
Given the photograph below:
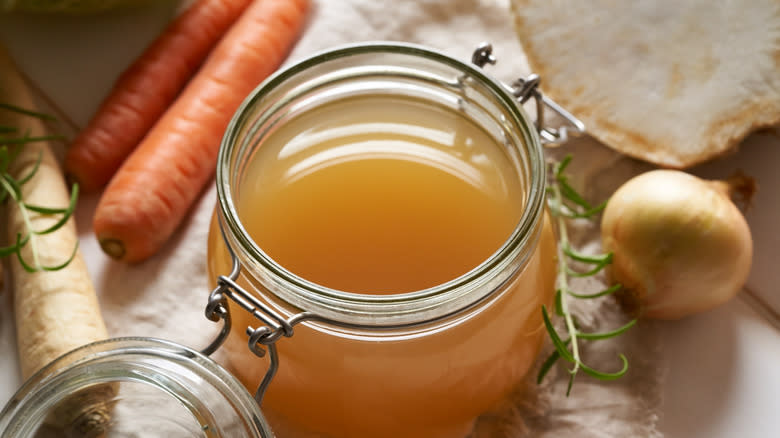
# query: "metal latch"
{"points": [[525, 88]]}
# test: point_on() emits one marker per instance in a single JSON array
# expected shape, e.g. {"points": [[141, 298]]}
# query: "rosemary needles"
{"points": [[565, 203], [11, 142]]}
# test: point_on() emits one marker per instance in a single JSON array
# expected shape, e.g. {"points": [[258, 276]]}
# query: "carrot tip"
{"points": [[113, 247]]}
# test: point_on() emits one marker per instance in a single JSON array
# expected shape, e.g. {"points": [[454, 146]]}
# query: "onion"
{"points": [[680, 245]]}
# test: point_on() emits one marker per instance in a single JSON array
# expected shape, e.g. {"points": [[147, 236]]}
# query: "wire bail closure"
{"points": [[524, 89], [262, 338]]}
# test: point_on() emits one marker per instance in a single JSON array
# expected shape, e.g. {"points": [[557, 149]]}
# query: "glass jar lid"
{"points": [[133, 387]]}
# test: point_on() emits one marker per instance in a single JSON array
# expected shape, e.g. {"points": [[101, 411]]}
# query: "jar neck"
{"points": [[391, 69]]}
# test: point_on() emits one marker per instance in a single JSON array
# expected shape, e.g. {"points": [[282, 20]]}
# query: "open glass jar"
{"points": [[423, 359], [132, 387]]}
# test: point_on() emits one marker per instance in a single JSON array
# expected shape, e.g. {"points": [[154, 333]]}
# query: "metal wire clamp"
{"points": [[525, 88], [261, 338]]}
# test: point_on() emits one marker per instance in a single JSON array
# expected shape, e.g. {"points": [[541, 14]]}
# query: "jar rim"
{"points": [[77, 370], [524, 235]]}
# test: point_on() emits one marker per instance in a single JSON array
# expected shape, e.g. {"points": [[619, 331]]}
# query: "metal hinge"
{"points": [[262, 338], [525, 88]]}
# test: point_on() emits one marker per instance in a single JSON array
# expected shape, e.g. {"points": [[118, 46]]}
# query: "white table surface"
{"points": [[723, 378]]}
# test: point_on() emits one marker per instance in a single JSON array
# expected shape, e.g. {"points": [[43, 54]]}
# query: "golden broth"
{"points": [[380, 196]]}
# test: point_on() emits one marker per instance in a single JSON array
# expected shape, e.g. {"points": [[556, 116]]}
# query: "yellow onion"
{"points": [[680, 245]]}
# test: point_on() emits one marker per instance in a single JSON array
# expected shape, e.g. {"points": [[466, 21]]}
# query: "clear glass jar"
{"points": [[424, 363], [132, 387]]}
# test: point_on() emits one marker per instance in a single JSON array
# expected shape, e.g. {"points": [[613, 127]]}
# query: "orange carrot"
{"points": [[155, 187], [146, 89]]}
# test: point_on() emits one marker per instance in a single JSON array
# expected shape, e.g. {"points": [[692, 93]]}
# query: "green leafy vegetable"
{"points": [[11, 188], [565, 203]]}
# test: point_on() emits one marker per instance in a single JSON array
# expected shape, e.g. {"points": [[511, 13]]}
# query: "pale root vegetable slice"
{"points": [[671, 82], [55, 311]]}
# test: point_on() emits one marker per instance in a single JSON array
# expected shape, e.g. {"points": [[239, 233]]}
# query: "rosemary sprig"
{"points": [[564, 203], [27, 112], [11, 143]]}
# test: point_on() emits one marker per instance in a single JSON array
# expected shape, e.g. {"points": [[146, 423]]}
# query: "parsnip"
{"points": [[55, 311]]}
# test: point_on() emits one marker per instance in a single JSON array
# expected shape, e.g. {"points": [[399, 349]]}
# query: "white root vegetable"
{"points": [[705, 76], [680, 245], [56, 311]]}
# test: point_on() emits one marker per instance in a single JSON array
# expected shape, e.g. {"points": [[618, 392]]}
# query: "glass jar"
{"points": [[128, 387], [421, 363]]}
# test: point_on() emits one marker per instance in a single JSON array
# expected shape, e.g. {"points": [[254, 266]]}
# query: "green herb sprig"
{"points": [[565, 203], [11, 142]]}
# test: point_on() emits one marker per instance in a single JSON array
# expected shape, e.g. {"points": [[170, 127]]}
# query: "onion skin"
{"points": [[679, 243]]}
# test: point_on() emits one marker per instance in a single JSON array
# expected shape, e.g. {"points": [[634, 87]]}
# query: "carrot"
{"points": [[145, 89], [155, 187], [55, 311]]}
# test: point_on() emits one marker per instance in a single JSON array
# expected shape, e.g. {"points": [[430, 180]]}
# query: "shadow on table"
{"points": [[702, 352]]}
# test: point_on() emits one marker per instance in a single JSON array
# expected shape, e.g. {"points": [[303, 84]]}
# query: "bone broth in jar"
{"points": [[381, 218]]}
